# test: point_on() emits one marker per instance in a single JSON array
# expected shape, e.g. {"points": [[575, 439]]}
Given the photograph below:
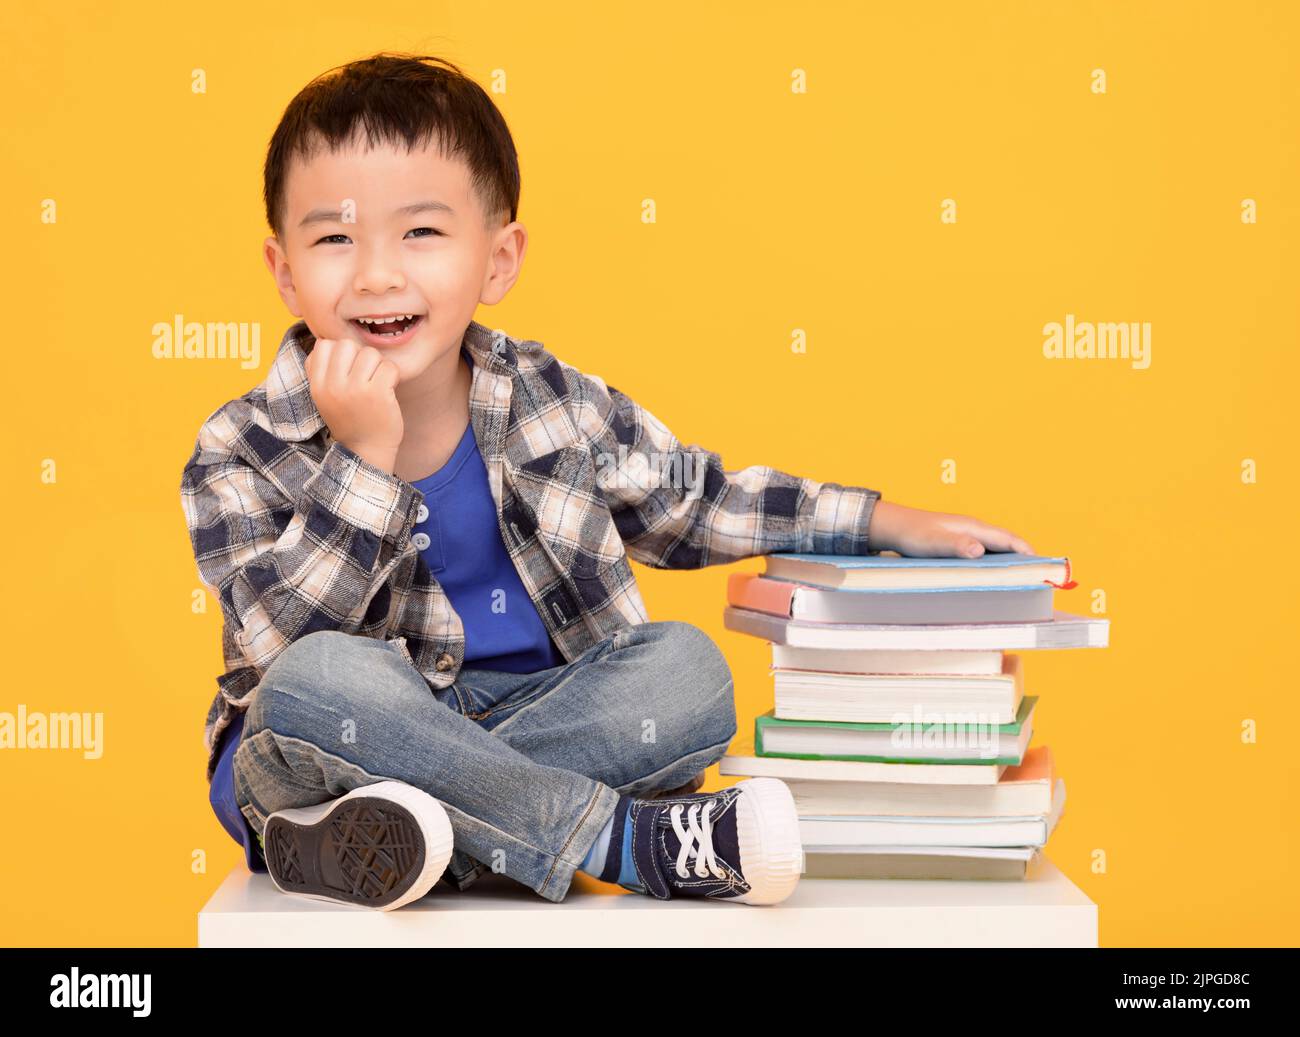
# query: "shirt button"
{"points": [[445, 661], [422, 515], [421, 541]]}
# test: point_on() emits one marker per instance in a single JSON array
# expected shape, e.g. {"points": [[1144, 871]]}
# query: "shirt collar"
{"points": [[294, 416]]}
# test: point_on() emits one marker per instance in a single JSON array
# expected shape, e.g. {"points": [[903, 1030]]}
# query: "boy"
{"points": [[436, 655]]}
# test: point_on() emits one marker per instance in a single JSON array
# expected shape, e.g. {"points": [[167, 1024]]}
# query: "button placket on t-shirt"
{"points": [[426, 534], [427, 538]]}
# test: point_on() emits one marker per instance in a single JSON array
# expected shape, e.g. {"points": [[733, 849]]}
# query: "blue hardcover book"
{"points": [[890, 571]]}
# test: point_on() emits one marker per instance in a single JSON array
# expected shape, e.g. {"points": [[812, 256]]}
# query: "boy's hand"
{"points": [[352, 386], [936, 534]]}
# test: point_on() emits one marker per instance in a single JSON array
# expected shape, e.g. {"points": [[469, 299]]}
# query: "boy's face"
{"points": [[376, 232]]}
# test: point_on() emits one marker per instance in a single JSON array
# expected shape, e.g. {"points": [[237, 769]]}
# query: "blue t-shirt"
{"points": [[459, 539], [221, 794], [458, 536]]}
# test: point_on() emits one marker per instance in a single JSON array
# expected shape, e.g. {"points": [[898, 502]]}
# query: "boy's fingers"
{"points": [[998, 539], [341, 357], [318, 359], [1011, 542], [995, 538], [366, 363], [969, 547], [386, 373]]}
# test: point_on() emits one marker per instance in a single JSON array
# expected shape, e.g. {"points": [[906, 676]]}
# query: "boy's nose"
{"points": [[378, 273]]}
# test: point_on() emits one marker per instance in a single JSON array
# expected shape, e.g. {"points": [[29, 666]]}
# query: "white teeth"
{"points": [[385, 320]]}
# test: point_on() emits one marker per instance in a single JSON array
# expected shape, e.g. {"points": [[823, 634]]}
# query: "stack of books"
{"points": [[900, 720]]}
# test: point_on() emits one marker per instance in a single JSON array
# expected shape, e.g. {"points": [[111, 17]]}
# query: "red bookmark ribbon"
{"points": [[1069, 584]]}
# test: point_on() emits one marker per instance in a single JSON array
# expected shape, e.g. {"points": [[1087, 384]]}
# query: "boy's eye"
{"points": [[342, 238]]}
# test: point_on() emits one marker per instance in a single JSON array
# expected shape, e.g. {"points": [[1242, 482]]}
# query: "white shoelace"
{"points": [[705, 862]]}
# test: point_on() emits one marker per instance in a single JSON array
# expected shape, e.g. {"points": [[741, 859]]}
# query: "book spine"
{"points": [[751, 591]]}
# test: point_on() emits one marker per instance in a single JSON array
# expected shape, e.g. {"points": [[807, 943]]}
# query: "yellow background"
{"points": [[775, 211]]}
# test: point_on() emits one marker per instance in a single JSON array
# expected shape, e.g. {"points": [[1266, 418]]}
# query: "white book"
{"points": [[1064, 630], [894, 832], [1005, 853], [1020, 791], [880, 698], [891, 863], [850, 660], [936, 605]]}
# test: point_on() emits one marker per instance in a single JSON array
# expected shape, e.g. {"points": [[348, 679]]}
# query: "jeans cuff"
{"points": [[601, 809]]}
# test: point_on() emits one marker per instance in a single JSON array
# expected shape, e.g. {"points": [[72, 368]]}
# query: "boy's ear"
{"points": [[278, 263], [506, 251]]}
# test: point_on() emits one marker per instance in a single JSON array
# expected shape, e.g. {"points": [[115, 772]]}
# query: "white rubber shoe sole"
{"points": [[767, 831], [379, 846]]}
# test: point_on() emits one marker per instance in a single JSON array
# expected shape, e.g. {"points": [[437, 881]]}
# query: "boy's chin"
{"points": [[410, 362]]}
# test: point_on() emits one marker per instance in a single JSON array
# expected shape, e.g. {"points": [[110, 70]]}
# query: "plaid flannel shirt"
{"points": [[293, 532]]}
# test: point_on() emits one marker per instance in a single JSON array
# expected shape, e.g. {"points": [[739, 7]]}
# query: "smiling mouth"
{"points": [[386, 327]]}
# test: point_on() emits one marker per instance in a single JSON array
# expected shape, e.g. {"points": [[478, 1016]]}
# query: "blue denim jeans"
{"points": [[527, 766]]}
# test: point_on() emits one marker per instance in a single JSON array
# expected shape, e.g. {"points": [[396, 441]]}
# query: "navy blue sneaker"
{"points": [[739, 845]]}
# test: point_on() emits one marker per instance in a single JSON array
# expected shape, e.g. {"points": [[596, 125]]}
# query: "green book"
{"points": [[960, 738]]}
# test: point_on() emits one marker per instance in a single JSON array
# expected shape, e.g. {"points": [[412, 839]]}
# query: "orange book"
{"points": [[752, 591], [790, 599], [1036, 766]]}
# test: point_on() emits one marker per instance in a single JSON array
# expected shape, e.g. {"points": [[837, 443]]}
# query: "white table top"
{"points": [[1046, 909]]}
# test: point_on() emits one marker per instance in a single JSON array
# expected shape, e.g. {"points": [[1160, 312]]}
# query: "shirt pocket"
{"points": [[566, 509], [557, 501]]}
